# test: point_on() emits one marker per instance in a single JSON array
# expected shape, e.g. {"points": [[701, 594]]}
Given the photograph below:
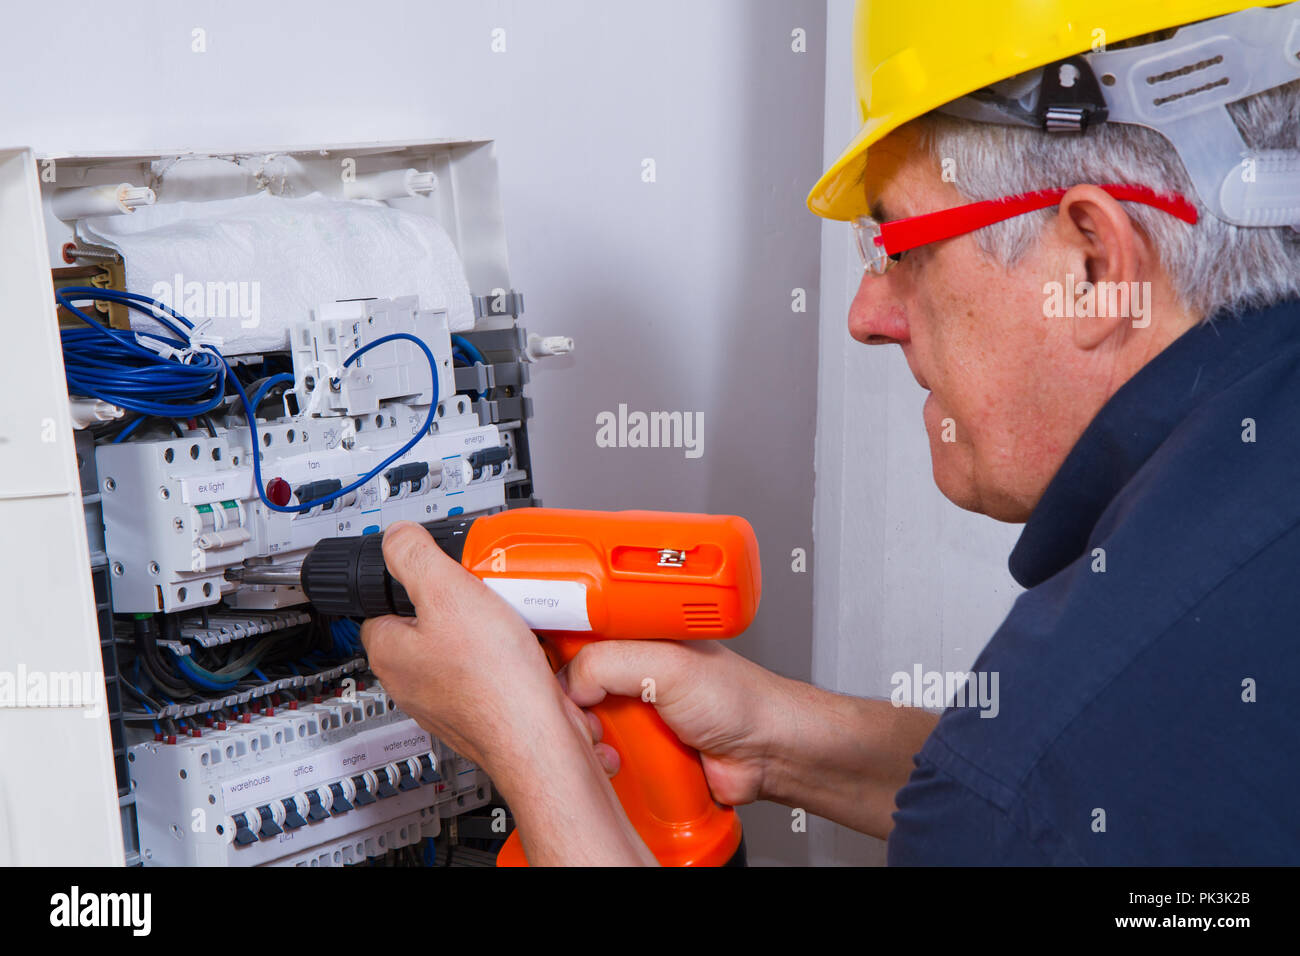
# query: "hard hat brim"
{"points": [[838, 194]]}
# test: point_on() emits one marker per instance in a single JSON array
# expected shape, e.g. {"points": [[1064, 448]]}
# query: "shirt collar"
{"points": [[1135, 421]]}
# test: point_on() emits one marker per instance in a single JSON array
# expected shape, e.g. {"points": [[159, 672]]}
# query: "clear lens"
{"points": [[866, 230]]}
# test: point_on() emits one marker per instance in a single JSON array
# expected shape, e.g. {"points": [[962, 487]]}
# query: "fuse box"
{"points": [[240, 726]]}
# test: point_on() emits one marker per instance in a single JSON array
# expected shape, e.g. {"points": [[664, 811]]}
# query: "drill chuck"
{"points": [[347, 577]]}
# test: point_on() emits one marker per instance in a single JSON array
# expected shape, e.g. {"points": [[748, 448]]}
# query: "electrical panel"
{"points": [[245, 726]]}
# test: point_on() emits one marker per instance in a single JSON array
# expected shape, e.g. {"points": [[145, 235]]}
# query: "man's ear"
{"points": [[1100, 235]]}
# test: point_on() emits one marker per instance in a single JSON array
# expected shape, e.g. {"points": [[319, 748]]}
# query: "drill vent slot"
{"points": [[702, 617]]}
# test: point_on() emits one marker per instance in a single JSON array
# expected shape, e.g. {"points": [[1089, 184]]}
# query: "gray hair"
{"points": [[1212, 265]]}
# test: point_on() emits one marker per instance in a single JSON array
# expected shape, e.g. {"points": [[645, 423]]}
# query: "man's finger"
{"points": [[621, 668], [608, 758], [422, 568], [387, 639], [595, 726]]}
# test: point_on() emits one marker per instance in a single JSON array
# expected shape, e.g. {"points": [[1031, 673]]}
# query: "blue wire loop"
{"points": [[120, 368], [469, 348], [466, 351]]}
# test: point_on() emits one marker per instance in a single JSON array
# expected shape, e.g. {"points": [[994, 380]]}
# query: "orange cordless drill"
{"points": [[581, 576]]}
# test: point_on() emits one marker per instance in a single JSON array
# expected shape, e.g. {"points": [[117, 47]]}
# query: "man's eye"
{"points": [[898, 256]]}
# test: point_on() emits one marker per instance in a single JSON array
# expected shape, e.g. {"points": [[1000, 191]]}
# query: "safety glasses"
{"points": [[881, 244]]}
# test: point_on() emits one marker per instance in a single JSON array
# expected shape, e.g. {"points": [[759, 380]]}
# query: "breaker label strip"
{"points": [[364, 752]]}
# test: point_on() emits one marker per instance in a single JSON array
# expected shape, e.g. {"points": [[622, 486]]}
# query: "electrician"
{"points": [[1111, 348]]}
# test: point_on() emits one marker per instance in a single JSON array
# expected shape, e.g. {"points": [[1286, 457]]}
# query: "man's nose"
{"points": [[877, 316]]}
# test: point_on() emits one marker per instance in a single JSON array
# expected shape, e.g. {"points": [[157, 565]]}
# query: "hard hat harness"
{"points": [[1180, 87]]}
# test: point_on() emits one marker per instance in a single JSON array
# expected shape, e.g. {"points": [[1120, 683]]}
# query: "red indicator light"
{"points": [[279, 492]]}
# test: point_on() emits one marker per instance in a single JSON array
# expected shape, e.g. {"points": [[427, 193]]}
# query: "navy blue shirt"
{"points": [[1148, 713]]}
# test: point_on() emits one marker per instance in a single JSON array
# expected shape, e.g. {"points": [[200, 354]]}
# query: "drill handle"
{"points": [[660, 782]]}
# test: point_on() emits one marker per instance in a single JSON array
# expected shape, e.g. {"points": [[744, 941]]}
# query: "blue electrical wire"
{"points": [[191, 672], [84, 379], [469, 348], [266, 386], [467, 352], [157, 727], [126, 432], [346, 636], [113, 365], [364, 479]]}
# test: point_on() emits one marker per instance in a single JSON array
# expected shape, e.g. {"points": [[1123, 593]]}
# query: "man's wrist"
{"points": [[783, 740], [525, 750]]}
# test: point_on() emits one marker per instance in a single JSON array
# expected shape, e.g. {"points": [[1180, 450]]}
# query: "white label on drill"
{"points": [[545, 605]]}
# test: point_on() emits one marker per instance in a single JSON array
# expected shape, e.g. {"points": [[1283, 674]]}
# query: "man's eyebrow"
{"points": [[879, 213]]}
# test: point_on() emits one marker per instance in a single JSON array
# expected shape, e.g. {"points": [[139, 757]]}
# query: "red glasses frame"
{"points": [[879, 243]]}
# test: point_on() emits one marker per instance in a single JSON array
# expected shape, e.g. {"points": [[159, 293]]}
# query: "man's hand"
{"points": [[716, 701], [763, 736], [470, 671], [466, 667]]}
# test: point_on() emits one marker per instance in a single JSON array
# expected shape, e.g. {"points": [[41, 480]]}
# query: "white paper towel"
{"points": [[255, 264]]}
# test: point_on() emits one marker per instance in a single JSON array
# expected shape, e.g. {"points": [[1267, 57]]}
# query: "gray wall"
{"points": [[903, 576], [678, 292]]}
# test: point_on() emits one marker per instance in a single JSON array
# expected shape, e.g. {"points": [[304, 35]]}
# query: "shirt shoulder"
{"points": [[940, 821]]}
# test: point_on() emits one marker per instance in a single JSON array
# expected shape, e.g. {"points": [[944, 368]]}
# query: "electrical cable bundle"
{"points": [[133, 370], [114, 365], [346, 634], [174, 676]]}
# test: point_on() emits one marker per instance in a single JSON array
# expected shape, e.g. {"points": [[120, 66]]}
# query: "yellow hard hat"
{"points": [[911, 57]]}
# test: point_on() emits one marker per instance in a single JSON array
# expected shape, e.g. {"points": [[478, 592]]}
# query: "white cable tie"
{"points": [[199, 342], [154, 344]]}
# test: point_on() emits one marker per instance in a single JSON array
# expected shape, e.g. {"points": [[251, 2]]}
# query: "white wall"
{"points": [[903, 576], [678, 292]]}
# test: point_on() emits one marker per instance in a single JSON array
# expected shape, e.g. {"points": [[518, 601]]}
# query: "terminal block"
{"points": [[324, 784]]}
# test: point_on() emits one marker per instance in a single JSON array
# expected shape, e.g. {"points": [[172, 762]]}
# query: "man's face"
{"points": [[1009, 392]]}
